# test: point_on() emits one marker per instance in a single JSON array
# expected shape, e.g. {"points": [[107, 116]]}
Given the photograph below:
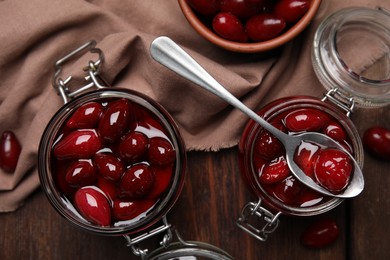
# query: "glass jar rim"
{"points": [[160, 208], [195, 249], [335, 71]]}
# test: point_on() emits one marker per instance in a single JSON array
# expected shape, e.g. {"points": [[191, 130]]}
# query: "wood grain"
{"points": [[207, 210]]}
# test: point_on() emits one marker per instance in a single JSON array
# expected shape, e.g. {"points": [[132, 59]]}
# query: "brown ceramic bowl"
{"points": [[250, 47]]}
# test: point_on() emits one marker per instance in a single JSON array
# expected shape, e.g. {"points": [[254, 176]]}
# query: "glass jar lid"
{"points": [[351, 53]]}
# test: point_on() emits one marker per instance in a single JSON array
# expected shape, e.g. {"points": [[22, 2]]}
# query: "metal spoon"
{"points": [[169, 54]]}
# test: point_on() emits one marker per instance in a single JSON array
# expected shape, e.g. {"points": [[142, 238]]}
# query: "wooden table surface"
{"points": [[207, 211]]}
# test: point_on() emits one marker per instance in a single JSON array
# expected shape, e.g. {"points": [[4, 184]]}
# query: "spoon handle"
{"points": [[169, 54]]}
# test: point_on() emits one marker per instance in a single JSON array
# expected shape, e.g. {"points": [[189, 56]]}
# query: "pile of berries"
{"points": [[250, 20], [113, 160], [331, 168]]}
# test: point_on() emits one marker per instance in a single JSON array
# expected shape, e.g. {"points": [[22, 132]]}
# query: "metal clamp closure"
{"points": [[339, 99], [252, 212], [133, 243], [94, 80]]}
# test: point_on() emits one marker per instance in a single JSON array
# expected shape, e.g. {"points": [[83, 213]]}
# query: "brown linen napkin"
{"points": [[34, 34]]}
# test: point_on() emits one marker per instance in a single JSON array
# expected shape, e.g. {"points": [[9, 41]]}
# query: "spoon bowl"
{"points": [[169, 54]]}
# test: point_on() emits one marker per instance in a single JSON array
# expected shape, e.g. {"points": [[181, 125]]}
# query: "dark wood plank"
{"points": [[218, 194], [207, 210], [370, 214]]}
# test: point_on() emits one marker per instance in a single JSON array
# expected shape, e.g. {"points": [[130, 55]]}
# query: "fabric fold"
{"points": [[35, 34]]}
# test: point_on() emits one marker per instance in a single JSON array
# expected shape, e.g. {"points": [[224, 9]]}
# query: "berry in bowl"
{"points": [[249, 25], [112, 161]]}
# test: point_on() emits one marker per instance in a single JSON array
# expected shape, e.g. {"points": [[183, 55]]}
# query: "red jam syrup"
{"points": [[112, 160]]}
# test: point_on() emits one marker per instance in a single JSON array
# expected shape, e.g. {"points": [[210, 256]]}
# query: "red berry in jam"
{"points": [[151, 127], [79, 144], [305, 157], [81, 173], [291, 10], [161, 152], [64, 187], [228, 26], [333, 169], [126, 209], [9, 151], [115, 120], [136, 182], [289, 190], [108, 187], [206, 7], [335, 131], [259, 164], [268, 5], [267, 145], [309, 198], [93, 205], [376, 141], [109, 166], [133, 146], [320, 233], [162, 179], [93, 172], [305, 119], [240, 8], [275, 171], [86, 116], [263, 27]]}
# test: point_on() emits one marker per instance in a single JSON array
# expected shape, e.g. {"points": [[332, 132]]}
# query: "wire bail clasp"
{"points": [[341, 100], [133, 243], [93, 79], [258, 221]]}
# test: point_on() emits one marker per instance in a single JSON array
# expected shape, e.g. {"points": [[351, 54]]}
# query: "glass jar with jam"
{"points": [[112, 162], [352, 81]]}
